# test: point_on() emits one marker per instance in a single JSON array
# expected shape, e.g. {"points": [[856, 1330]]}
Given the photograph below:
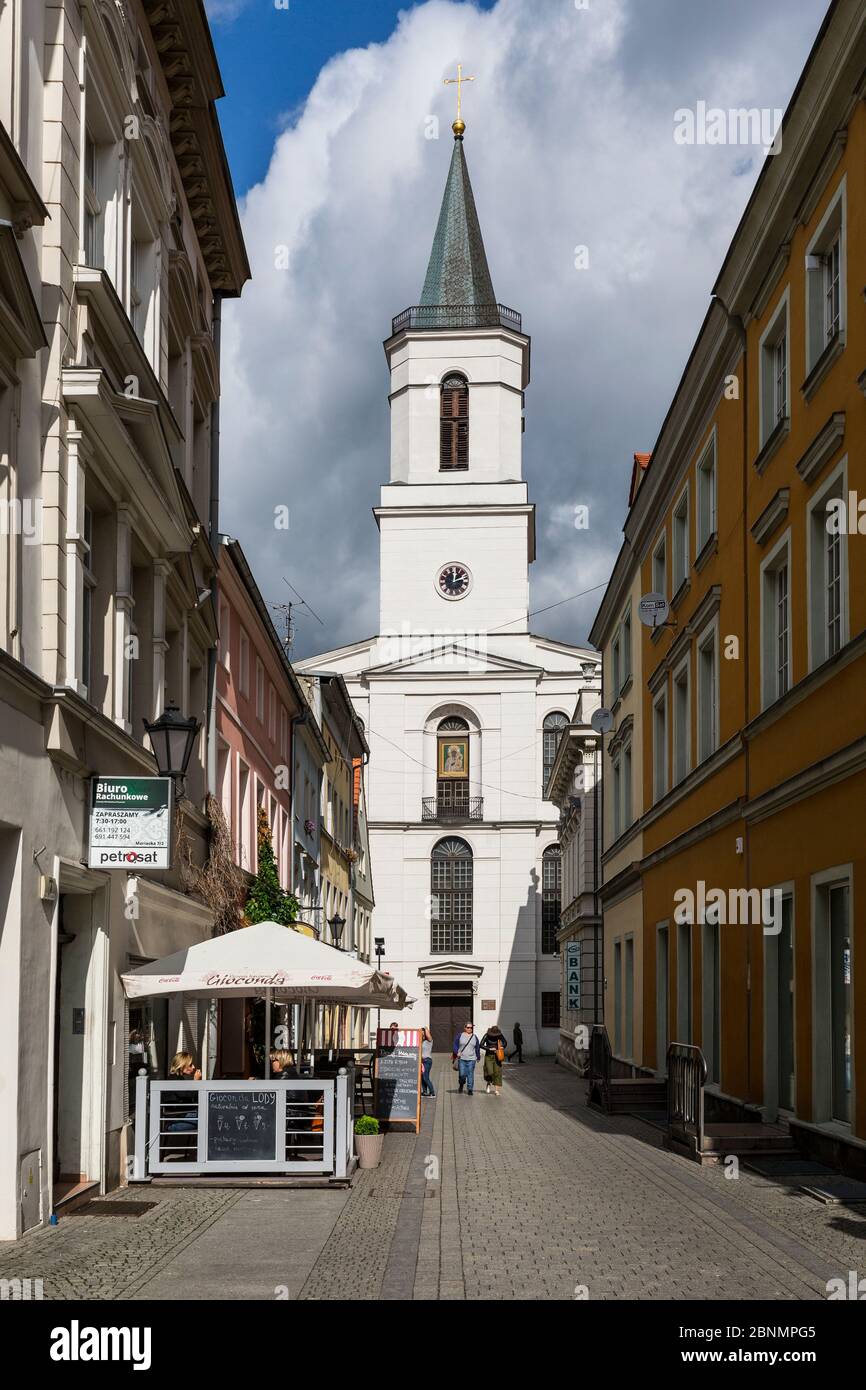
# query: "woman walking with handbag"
{"points": [[464, 1055], [493, 1045]]}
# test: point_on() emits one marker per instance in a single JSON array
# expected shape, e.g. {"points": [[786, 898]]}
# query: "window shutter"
{"points": [[454, 424]]}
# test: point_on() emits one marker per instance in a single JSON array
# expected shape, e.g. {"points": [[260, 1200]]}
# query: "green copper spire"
{"points": [[458, 272]]}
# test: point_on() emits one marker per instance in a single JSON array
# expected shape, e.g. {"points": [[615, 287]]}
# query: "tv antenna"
{"points": [[288, 611]]}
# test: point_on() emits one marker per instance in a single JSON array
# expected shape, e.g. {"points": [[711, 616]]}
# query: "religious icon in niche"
{"points": [[453, 757]]}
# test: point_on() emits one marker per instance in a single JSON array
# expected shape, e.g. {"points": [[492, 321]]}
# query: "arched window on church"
{"points": [[553, 727], [451, 898], [551, 899], [452, 769], [454, 423]]}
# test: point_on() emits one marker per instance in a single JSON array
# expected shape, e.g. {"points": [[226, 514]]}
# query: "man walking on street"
{"points": [[466, 1052], [518, 1044]]}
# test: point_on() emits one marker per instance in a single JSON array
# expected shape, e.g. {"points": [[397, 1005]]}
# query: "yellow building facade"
{"points": [[752, 700]]}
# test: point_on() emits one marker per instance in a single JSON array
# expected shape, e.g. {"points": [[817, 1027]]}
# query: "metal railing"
{"points": [[687, 1073], [438, 316], [434, 809]]}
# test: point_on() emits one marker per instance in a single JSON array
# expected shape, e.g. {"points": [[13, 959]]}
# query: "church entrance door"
{"points": [[448, 1015]]}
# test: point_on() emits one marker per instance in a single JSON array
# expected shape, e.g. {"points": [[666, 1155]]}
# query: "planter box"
{"points": [[368, 1148]]}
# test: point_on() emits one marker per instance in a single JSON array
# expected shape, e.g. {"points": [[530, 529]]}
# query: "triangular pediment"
{"points": [[450, 970], [454, 657]]}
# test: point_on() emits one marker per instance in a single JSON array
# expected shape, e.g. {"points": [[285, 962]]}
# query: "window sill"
{"points": [[708, 549], [772, 443], [625, 687], [832, 351], [680, 594]]}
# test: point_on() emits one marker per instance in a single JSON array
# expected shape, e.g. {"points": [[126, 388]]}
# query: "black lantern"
{"points": [[172, 739], [337, 924]]}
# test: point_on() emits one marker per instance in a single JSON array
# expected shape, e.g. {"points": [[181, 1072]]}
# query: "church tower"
{"points": [[457, 527], [462, 704]]}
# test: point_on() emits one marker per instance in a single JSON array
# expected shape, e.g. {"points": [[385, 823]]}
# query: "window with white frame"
{"points": [[774, 368], [825, 280], [272, 714], [627, 814], [776, 623], [708, 697], [244, 663], [616, 666], [284, 732], [833, 288], [680, 528], [706, 505], [260, 691], [143, 274], [87, 633], [625, 643], [660, 565], [660, 745], [617, 796], [681, 723], [828, 569], [225, 634], [94, 212]]}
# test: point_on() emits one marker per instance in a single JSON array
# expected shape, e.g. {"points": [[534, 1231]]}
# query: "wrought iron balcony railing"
{"points": [[438, 316], [469, 808]]}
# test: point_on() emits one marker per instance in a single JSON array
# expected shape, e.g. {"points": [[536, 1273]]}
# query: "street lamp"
{"points": [[379, 943], [337, 924], [172, 739]]}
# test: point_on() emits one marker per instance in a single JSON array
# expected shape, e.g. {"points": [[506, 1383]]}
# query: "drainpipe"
{"points": [[213, 536], [599, 998], [737, 322]]}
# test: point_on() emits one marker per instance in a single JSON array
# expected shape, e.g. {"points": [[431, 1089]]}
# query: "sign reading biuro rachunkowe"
{"points": [[130, 823]]}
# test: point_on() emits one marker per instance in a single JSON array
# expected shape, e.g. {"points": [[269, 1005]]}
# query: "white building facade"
{"points": [[462, 705], [118, 239]]}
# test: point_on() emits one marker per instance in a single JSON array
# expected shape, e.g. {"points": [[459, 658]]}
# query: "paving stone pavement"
{"points": [[530, 1196]]}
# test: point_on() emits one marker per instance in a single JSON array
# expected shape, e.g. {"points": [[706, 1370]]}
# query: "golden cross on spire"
{"points": [[458, 127]]}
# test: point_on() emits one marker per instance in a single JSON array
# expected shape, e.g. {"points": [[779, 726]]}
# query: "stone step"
{"points": [[747, 1138]]}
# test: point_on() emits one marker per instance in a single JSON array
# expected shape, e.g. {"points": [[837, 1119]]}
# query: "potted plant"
{"points": [[368, 1141]]}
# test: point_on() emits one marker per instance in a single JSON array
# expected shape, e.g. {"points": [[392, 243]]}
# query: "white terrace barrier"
{"points": [[296, 1126]]}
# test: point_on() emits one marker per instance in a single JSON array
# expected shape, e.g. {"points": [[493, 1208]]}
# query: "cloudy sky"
{"points": [[570, 143]]}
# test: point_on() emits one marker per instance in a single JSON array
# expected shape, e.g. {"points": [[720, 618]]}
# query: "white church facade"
{"points": [[462, 704]]}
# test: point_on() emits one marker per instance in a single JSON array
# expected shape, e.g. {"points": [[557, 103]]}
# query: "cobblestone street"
{"points": [[530, 1196]]}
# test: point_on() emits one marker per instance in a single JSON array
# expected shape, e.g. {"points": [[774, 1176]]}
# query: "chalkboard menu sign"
{"points": [[398, 1077], [242, 1125]]}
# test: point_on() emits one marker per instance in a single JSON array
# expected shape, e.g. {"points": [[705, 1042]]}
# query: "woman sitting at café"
{"points": [[180, 1111]]}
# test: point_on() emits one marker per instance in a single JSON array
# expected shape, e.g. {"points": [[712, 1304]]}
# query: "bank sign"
{"points": [[572, 975], [130, 823]]}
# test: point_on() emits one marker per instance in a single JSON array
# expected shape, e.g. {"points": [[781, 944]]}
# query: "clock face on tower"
{"points": [[453, 581]]}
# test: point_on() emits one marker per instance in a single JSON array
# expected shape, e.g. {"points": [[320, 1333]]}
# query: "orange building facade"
{"points": [[753, 694]]}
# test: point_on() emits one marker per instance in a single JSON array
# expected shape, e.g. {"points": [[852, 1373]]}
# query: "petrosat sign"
{"points": [[130, 823]]}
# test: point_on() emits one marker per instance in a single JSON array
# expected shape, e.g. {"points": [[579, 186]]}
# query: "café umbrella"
{"points": [[267, 960], [264, 958]]}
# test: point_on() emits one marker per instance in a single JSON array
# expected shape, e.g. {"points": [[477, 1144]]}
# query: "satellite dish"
{"points": [[653, 610], [602, 721]]}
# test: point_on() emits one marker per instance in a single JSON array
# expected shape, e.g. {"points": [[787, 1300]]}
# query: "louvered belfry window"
{"points": [[454, 423]]}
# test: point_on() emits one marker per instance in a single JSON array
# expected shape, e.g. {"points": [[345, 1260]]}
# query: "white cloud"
{"points": [[224, 11], [569, 142]]}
